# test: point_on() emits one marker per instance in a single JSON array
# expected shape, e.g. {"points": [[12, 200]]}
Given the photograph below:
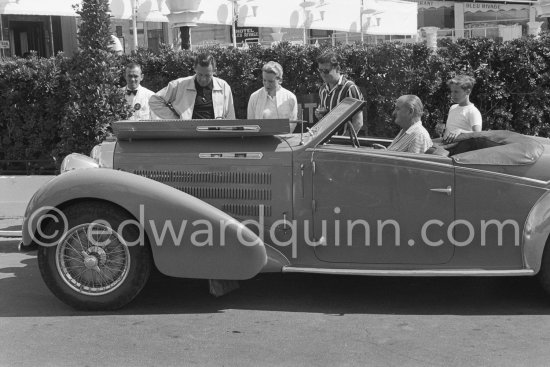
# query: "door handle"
{"points": [[448, 190]]}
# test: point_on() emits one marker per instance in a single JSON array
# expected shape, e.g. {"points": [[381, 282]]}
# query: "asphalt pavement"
{"points": [[278, 320]]}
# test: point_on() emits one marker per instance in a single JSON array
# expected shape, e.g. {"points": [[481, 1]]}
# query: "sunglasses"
{"points": [[324, 71]]}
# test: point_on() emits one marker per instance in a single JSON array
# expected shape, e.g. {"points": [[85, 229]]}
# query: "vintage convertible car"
{"points": [[226, 200]]}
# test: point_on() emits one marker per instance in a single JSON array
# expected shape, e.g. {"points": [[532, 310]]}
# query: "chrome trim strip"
{"points": [[396, 155], [234, 155], [410, 273], [236, 129], [362, 139], [390, 155], [504, 175], [11, 233]]}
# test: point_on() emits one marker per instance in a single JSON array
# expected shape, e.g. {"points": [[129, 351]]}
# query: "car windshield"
{"points": [[336, 114]]}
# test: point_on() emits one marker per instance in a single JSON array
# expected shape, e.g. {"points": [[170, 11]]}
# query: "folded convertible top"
{"points": [[498, 147]]}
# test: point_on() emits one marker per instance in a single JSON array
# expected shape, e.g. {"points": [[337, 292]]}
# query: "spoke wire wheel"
{"points": [[92, 267], [92, 259]]}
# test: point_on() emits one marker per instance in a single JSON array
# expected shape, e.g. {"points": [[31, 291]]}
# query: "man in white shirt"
{"points": [[136, 95], [413, 137]]}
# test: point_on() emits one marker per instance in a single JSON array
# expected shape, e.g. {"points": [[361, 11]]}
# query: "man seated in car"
{"points": [[413, 137]]}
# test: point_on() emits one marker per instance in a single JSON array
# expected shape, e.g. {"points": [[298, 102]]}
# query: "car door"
{"points": [[379, 207]]}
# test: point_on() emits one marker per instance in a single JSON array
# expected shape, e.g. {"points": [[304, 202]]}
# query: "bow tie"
{"points": [[134, 92]]}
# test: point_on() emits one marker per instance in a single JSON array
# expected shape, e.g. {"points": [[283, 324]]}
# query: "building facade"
{"points": [[48, 35], [503, 20]]}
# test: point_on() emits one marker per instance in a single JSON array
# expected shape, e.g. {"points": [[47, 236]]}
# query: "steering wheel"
{"points": [[353, 135]]}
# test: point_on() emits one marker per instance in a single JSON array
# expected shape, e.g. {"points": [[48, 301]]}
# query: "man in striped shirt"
{"points": [[335, 88], [413, 137]]}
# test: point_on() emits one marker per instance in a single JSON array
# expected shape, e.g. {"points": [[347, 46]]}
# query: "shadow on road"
{"points": [[24, 294]]}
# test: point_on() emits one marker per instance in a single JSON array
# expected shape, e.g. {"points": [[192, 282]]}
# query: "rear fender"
{"points": [[188, 237], [536, 233]]}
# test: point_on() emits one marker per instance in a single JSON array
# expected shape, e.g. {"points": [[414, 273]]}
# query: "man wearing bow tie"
{"points": [[136, 95]]}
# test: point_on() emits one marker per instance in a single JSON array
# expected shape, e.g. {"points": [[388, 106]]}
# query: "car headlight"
{"points": [[77, 161], [94, 154], [104, 153]]}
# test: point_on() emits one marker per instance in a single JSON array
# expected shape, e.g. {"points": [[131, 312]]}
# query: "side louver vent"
{"points": [[227, 193], [236, 193], [246, 210], [257, 178]]}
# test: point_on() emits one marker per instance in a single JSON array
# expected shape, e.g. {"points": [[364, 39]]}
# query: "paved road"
{"points": [[290, 320]]}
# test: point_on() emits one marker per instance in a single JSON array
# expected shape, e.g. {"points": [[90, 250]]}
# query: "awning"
{"points": [[387, 17], [391, 17], [148, 10], [217, 12], [543, 10], [38, 7]]}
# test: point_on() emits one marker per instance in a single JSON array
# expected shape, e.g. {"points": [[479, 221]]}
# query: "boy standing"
{"points": [[463, 116]]}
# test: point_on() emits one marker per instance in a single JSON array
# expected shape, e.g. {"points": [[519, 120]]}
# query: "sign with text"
{"points": [[481, 7], [4, 44], [245, 33], [426, 4]]}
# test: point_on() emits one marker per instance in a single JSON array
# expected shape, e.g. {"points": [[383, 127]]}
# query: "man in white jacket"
{"points": [[272, 101], [201, 96]]}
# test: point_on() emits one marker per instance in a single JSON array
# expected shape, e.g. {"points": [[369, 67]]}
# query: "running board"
{"points": [[10, 233], [411, 273]]}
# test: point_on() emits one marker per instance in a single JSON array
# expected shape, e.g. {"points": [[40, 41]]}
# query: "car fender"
{"points": [[536, 233], [188, 237]]}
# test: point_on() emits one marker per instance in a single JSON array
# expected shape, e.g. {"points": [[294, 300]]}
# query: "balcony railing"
{"points": [[499, 32]]}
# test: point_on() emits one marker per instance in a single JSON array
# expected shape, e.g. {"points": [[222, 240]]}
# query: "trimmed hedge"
{"points": [[52, 107]]}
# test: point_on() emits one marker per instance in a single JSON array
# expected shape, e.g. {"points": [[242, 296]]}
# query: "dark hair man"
{"points": [[335, 88], [200, 96], [136, 95]]}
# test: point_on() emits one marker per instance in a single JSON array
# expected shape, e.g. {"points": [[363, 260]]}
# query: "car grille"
{"points": [[222, 188]]}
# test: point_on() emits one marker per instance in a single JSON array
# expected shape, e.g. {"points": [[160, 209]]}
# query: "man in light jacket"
{"points": [[201, 96], [272, 101]]}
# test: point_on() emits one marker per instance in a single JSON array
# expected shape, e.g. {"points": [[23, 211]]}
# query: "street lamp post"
{"points": [[184, 15], [370, 12], [2, 35], [134, 23], [306, 4], [234, 20], [309, 17], [235, 17]]}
